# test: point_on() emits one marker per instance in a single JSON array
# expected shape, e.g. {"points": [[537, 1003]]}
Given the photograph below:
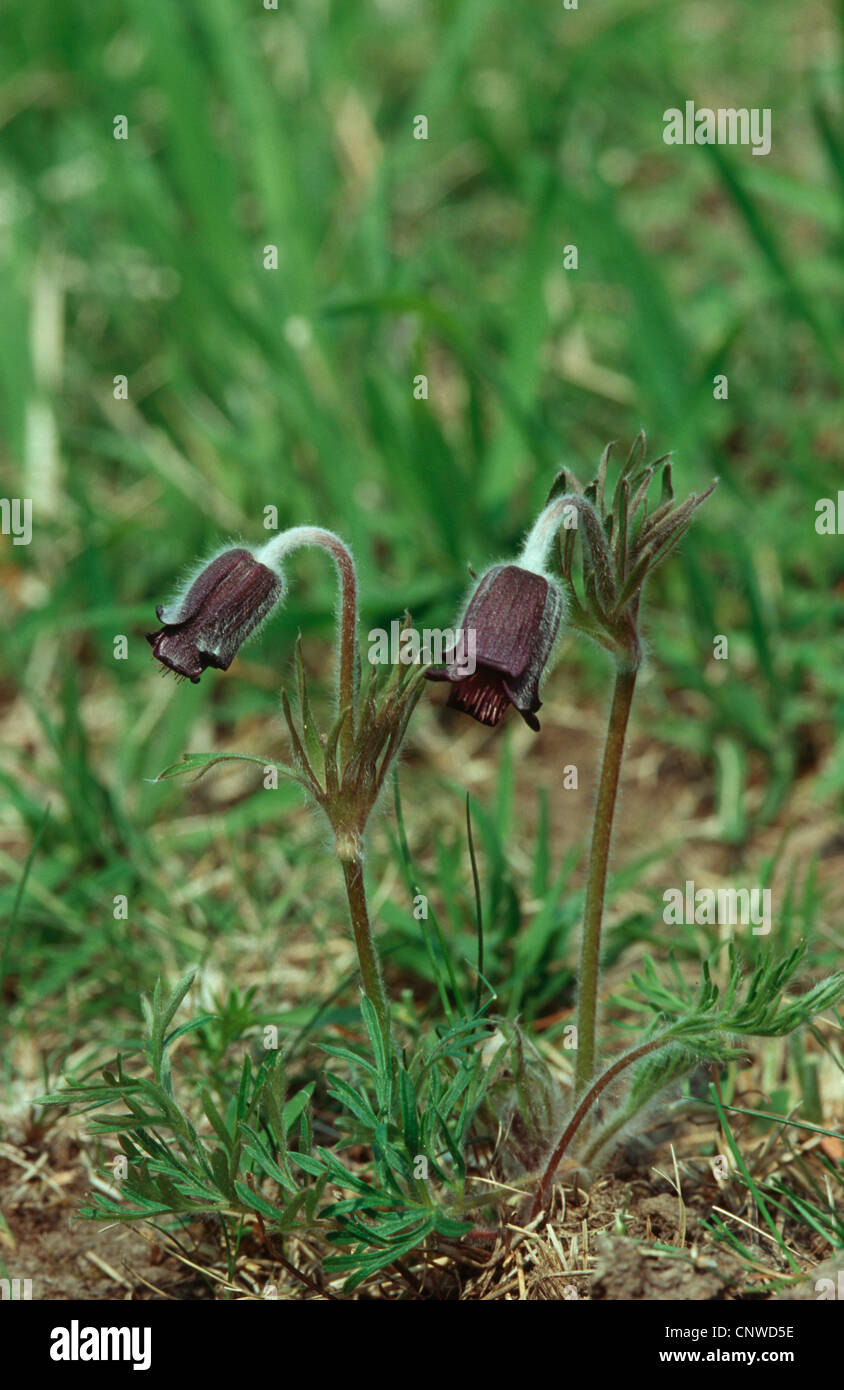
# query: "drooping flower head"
{"points": [[515, 614], [227, 600]]}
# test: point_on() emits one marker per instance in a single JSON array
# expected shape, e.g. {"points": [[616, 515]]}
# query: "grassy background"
{"points": [[293, 388]]}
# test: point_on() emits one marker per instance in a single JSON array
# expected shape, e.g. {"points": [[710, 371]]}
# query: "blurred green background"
{"points": [[293, 387]]}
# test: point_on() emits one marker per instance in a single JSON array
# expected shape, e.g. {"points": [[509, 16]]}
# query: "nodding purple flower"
{"points": [[224, 604], [515, 614]]}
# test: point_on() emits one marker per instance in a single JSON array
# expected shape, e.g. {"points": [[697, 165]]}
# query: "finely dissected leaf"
{"points": [[190, 1027], [383, 1061], [602, 475], [636, 454], [689, 1030], [622, 516], [254, 1201], [200, 763], [379, 1262], [294, 1107], [310, 1165], [346, 1054], [358, 1104], [217, 1122], [410, 1119], [332, 771], [563, 483], [309, 728], [598, 557], [641, 493], [310, 778], [256, 1150], [220, 1166]]}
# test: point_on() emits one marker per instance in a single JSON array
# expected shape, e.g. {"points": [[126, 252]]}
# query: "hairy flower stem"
{"points": [[348, 838], [349, 677], [541, 1198], [349, 674], [370, 970], [587, 1001]]}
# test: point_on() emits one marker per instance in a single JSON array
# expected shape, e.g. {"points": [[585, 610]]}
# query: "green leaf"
{"points": [[174, 1001], [358, 1105], [410, 1119], [256, 1151], [313, 1166], [200, 763], [296, 1105], [309, 728], [218, 1124], [255, 1201]]}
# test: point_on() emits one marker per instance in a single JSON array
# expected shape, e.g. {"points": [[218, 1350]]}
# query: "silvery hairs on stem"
{"points": [[226, 601]]}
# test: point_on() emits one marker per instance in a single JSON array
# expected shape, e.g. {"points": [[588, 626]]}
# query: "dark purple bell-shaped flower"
{"points": [[515, 614], [224, 604]]}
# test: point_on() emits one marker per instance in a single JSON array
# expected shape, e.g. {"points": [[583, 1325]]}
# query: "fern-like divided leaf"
{"points": [[750, 1006], [688, 1029]]}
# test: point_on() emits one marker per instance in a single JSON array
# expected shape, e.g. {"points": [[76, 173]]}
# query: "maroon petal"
{"points": [[206, 582], [515, 615], [225, 603], [506, 613]]}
